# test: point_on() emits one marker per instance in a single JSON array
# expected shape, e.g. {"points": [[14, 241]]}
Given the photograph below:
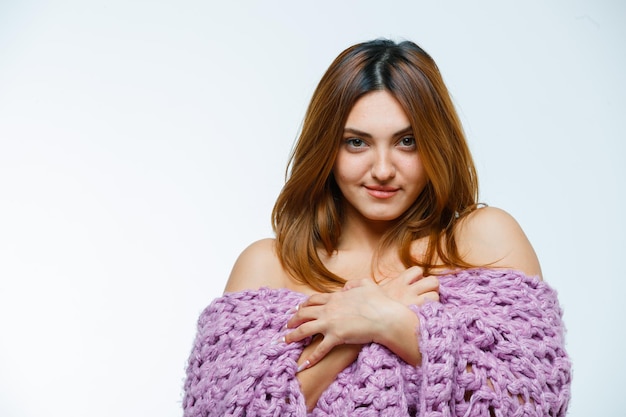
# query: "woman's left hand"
{"points": [[357, 315]]}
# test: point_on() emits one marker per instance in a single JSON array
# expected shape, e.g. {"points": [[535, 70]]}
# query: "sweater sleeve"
{"points": [[235, 368], [493, 346]]}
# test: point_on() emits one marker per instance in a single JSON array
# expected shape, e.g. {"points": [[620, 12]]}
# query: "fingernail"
{"points": [[278, 340], [292, 310], [303, 366]]}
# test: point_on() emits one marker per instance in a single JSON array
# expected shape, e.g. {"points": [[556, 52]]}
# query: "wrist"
{"points": [[399, 333]]}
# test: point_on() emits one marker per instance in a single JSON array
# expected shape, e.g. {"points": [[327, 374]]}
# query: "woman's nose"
{"points": [[383, 168]]}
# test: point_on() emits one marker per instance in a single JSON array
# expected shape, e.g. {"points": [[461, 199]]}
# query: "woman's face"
{"points": [[378, 169]]}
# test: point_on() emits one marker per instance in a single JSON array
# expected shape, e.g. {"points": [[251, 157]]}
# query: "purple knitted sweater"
{"points": [[493, 345]]}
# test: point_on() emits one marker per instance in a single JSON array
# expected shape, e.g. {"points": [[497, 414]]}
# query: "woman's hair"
{"points": [[307, 216]]}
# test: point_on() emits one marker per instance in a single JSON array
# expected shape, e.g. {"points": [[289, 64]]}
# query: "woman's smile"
{"points": [[381, 191]]}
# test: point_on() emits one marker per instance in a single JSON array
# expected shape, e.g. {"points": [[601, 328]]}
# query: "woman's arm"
{"points": [[314, 380], [491, 237], [364, 312], [233, 350], [258, 266], [496, 340]]}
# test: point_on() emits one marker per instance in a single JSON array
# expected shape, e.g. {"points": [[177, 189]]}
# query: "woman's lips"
{"points": [[380, 191]]}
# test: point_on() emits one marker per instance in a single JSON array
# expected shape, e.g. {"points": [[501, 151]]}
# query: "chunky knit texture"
{"points": [[493, 345]]}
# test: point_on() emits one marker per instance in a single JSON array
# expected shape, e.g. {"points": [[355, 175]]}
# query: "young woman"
{"points": [[388, 289]]}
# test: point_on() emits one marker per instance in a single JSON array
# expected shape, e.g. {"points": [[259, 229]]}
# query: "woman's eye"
{"points": [[408, 141], [355, 143]]}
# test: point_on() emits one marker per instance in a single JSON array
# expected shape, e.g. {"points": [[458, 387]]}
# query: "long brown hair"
{"points": [[307, 215]]}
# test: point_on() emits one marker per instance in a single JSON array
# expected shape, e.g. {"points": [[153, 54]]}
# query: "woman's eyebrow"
{"points": [[404, 131], [358, 132]]}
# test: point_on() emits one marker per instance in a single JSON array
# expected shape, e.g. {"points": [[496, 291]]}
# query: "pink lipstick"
{"points": [[381, 191]]}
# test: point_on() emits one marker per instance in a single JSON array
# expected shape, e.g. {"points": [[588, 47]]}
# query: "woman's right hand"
{"points": [[410, 287], [365, 312]]}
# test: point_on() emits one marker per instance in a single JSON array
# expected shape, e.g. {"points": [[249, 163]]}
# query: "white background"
{"points": [[142, 146]]}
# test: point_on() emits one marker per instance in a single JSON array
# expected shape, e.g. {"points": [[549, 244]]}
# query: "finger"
{"points": [[304, 330], [318, 354], [303, 315], [414, 274], [429, 296], [315, 300], [410, 275], [429, 283]]}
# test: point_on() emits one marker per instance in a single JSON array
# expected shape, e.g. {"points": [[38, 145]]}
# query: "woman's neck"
{"points": [[360, 233], [359, 253]]}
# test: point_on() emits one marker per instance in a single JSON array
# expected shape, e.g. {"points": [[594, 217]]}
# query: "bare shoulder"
{"points": [[257, 266], [492, 237]]}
